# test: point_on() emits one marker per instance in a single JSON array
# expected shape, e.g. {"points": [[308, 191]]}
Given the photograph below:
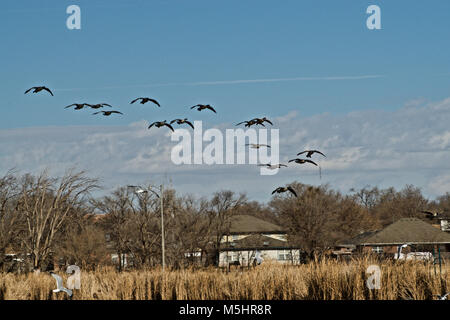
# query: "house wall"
{"points": [[231, 238], [247, 256]]}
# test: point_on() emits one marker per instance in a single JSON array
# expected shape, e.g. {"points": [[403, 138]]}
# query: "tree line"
{"points": [[44, 219]]}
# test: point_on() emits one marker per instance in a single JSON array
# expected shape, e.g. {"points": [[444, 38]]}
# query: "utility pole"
{"points": [[162, 227], [138, 190]]}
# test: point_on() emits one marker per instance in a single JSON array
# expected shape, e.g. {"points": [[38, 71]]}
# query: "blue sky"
{"points": [[177, 51]]}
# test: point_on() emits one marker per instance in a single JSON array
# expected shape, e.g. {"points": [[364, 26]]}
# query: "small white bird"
{"points": [[444, 297], [399, 252], [59, 285]]}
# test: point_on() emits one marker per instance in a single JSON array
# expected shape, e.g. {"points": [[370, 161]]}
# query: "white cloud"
{"points": [[409, 145]]}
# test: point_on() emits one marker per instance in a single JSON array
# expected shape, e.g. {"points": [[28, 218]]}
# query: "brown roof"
{"points": [[411, 230], [242, 224]]}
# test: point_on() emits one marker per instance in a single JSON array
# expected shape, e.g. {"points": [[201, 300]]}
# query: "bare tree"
{"points": [[309, 216], [222, 207], [46, 203], [10, 226]]}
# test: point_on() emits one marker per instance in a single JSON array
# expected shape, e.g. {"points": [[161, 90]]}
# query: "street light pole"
{"points": [[162, 227], [161, 198]]}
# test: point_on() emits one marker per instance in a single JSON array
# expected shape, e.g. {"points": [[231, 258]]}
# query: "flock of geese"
{"points": [[199, 107]]}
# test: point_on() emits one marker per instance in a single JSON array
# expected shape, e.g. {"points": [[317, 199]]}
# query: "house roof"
{"points": [[405, 230], [357, 239], [244, 224], [257, 241]]}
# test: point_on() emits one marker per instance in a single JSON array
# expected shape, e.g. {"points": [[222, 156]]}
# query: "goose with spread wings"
{"points": [[98, 105], [160, 124], [78, 106], [285, 189], [108, 113], [262, 120], [302, 161], [272, 166], [257, 145], [309, 153], [39, 89], [145, 100], [201, 107], [181, 121], [249, 123]]}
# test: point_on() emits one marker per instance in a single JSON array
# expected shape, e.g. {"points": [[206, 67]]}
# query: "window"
{"points": [[377, 249], [284, 255]]}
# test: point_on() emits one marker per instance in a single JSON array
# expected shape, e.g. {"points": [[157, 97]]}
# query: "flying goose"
{"points": [[160, 124], [78, 106], [274, 166], [284, 189], [38, 89], [181, 121], [309, 153], [107, 113], [261, 120], [145, 100], [301, 161], [201, 107], [250, 123], [98, 105], [257, 145]]}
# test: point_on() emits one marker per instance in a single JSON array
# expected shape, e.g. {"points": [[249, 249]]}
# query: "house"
{"points": [[419, 235], [251, 240]]}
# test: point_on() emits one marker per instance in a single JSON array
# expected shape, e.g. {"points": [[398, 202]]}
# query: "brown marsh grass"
{"points": [[318, 280]]}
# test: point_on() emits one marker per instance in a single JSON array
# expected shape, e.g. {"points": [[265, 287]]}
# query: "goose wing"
{"points": [[116, 112], [292, 191], [170, 127], [317, 151], [155, 102], [190, 124], [310, 161], [154, 123], [47, 89], [29, 90], [135, 100], [211, 108], [276, 190]]}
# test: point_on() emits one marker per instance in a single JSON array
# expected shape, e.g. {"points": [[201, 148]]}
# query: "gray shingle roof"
{"points": [[242, 224], [408, 230]]}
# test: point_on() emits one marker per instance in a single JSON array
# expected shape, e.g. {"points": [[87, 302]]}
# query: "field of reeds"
{"points": [[319, 280]]}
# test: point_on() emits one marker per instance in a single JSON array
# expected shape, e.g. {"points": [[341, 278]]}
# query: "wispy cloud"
{"points": [[230, 82], [410, 145]]}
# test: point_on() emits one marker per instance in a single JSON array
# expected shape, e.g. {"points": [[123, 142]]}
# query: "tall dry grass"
{"points": [[319, 280]]}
